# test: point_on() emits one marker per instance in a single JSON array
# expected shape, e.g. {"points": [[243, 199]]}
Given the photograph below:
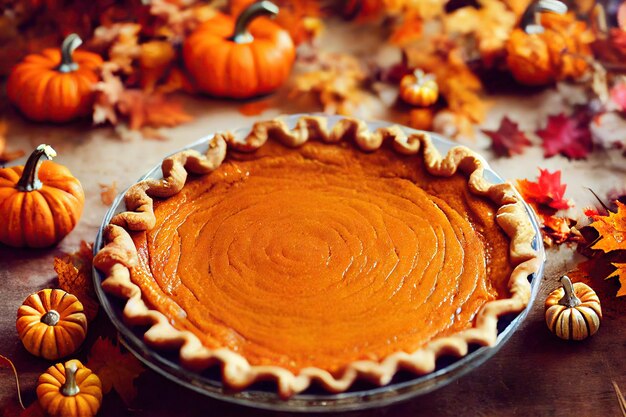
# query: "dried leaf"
{"points": [[115, 369], [612, 230], [108, 193], [547, 193], [154, 110], [108, 94], [508, 140], [569, 136], [611, 239], [559, 230], [336, 80], [74, 272]]}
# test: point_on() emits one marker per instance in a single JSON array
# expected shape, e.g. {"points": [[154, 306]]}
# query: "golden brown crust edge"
{"points": [[119, 254]]}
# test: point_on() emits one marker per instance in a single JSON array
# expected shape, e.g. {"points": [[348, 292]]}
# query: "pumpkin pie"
{"points": [[319, 254]]}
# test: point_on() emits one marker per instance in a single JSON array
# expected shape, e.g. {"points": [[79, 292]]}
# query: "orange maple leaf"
{"points": [[612, 230], [115, 369], [74, 271]]}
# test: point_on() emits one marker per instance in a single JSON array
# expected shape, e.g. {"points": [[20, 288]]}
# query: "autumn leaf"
{"points": [[74, 272], [508, 140], [547, 193], [568, 136], [155, 110], [612, 230], [108, 193], [559, 230], [115, 369]]}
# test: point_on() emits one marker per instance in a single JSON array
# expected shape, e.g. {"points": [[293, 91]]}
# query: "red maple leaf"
{"points": [[508, 140], [569, 136], [547, 193]]}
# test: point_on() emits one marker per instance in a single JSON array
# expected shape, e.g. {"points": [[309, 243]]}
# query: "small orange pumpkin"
{"points": [[419, 89], [69, 390], [56, 85], [240, 59], [41, 201], [51, 324]]}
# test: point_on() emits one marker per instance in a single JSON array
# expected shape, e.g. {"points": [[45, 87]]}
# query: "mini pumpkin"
{"points": [[419, 89], [56, 85], [69, 390], [573, 312], [242, 58], [51, 324], [41, 201]]}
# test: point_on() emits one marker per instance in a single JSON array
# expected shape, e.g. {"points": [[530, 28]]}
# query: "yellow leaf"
{"points": [[612, 230], [115, 369], [74, 271]]}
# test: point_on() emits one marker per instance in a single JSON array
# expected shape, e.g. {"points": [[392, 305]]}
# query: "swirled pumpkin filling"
{"points": [[322, 255]]}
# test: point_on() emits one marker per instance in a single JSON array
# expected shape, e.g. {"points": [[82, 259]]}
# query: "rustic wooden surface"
{"points": [[535, 374]]}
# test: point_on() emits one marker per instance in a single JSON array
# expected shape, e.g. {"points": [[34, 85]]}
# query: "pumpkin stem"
{"points": [[51, 318], [70, 388], [531, 19], [569, 299], [260, 8], [70, 43], [29, 180]]}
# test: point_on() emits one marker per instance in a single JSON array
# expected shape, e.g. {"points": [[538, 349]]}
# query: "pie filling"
{"points": [[321, 256]]}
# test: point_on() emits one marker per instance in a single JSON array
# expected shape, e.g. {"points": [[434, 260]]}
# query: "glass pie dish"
{"points": [[263, 394]]}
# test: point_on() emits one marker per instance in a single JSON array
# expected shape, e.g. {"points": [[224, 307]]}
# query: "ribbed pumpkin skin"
{"points": [[51, 342], [223, 68], [42, 93], [84, 404], [39, 218], [574, 323]]}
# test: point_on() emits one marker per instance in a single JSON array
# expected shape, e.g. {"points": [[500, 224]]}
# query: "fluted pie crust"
{"points": [[119, 254]]}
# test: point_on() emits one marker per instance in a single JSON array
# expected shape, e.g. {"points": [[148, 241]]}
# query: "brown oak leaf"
{"points": [[74, 271], [116, 370], [508, 139]]}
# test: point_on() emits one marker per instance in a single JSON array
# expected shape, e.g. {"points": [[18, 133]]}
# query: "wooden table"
{"points": [[534, 374]]}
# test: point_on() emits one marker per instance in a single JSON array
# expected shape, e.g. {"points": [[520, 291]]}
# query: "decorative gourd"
{"points": [[56, 85], [69, 390], [51, 324], [41, 201], [573, 312], [240, 59], [419, 89]]}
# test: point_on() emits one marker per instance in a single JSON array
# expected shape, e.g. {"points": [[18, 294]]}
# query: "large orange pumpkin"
{"points": [[242, 58], [40, 203], [56, 85]]}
